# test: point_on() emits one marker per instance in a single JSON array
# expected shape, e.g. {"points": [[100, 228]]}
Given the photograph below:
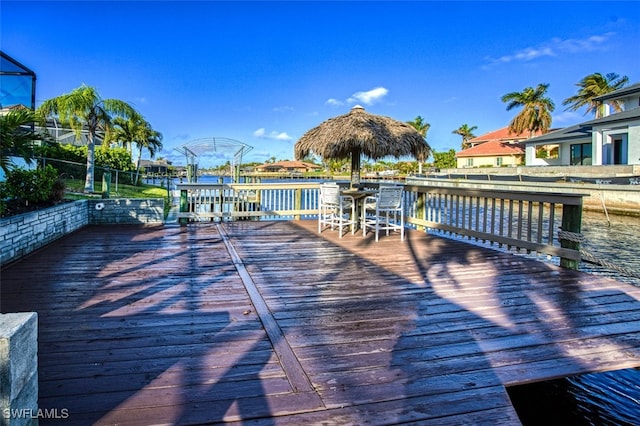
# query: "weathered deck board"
{"points": [[140, 325]]}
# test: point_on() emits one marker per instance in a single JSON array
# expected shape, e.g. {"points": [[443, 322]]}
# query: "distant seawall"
{"points": [[560, 173]]}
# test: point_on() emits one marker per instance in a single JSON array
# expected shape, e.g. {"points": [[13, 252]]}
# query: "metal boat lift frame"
{"points": [[194, 149]]}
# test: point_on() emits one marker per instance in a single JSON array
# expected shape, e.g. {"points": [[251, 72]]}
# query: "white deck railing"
{"points": [[516, 219], [270, 201]]}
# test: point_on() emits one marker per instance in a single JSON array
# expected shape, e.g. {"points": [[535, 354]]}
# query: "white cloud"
{"points": [[277, 136], [553, 47], [282, 136], [334, 102], [369, 97]]}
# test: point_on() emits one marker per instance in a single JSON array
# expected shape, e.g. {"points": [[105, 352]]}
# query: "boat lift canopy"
{"points": [[214, 147]]}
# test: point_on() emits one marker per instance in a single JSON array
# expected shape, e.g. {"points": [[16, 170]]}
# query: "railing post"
{"points": [[184, 206], [106, 183], [222, 199], [421, 208], [571, 222], [298, 202]]}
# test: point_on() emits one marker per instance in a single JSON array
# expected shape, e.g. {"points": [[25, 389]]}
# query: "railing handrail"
{"points": [[240, 186], [555, 197]]}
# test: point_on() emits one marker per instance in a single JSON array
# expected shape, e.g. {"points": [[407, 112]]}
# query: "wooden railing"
{"points": [[515, 219], [267, 201]]}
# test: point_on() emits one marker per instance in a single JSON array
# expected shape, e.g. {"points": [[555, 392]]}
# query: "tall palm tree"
{"points": [[536, 110], [148, 139], [592, 86], [83, 108], [135, 130], [466, 132], [17, 137], [422, 127]]}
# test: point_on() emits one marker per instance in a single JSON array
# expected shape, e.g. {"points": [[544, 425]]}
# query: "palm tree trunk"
{"points": [[138, 166], [88, 182]]}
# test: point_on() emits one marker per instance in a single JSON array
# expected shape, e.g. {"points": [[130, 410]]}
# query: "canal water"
{"points": [[616, 240]]}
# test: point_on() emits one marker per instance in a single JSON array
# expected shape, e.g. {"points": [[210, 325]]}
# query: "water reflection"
{"points": [[617, 243]]}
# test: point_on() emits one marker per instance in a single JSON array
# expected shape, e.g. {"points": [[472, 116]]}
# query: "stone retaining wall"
{"points": [[557, 171], [22, 234], [126, 211]]}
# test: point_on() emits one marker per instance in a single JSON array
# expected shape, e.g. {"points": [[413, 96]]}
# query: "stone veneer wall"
{"points": [[126, 211], [22, 234], [19, 369]]}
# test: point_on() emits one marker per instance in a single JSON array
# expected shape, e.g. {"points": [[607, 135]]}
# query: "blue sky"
{"points": [[264, 73]]}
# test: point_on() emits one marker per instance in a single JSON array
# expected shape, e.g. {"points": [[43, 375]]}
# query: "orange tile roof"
{"points": [[290, 164], [491, 148], [501, 135]]}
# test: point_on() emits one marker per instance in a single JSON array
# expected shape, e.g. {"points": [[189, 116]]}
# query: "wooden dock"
{"points": [[269, 323]]}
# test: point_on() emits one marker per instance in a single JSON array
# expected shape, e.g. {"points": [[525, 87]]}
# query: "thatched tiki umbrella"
{"points": [[361, 133]]}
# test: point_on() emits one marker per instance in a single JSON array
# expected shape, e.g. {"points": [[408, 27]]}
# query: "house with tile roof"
{"points": [[498, 148], [493, 153], [501, 135], [611, 139], [288, 166]]}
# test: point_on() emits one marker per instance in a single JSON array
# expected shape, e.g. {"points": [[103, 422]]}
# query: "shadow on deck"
{"points": [[273, 323]]}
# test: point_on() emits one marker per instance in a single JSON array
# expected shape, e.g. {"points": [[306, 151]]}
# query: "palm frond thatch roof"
{"points": [[371, 135]]}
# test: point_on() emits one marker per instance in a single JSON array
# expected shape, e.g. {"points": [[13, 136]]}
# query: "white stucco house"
{"points": [[611, 139]]}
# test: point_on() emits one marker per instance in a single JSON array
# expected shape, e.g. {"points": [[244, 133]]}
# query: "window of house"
{"points": [[499, 161], [469, 162], [580, 154]]}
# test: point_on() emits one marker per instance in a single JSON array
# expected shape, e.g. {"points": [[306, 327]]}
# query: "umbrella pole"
{"points": [[355, 168]]}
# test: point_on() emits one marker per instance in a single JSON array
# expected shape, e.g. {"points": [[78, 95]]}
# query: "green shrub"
{"points": [[32, 187]]}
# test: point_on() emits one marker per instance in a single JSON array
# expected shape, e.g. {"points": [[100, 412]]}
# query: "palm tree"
{"points": [[536, 112], [148, 139], [135, 129], [123, 131], [17, 136], [466, 132], [337, 165], [422, 127], [592, 86], [83, 108]]}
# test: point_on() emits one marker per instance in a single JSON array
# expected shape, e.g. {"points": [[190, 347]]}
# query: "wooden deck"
{"points": [[269, 323]]}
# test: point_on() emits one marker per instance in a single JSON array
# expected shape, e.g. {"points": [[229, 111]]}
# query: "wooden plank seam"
{"points": [[290, 364]]}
